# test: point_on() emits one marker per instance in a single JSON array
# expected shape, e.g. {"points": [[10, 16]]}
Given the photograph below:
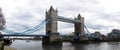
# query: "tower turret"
{"points": [[2, 20], [79, 27], [51, 15], [51, 28], [79, 16]]}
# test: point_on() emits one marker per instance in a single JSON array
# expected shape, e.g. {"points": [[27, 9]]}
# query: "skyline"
{"points": [[100, 15]]}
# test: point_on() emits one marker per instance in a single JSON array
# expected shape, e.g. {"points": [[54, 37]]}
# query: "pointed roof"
{"points": [[79, 16], [0, 10], [1, 13], [51, 8]]}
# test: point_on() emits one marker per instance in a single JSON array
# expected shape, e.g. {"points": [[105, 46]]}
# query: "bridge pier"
{"points": [[51, 28], [55, 38]]}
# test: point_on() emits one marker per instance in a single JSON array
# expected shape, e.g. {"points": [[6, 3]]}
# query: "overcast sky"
{"points": [[100, 15]]}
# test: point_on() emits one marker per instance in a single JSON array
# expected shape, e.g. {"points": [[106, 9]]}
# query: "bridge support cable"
{"points": [[86, 28], [31, 30], [36, 28], [89, 35], [8, 31]]}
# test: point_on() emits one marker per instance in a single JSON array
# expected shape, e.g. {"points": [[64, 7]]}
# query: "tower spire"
{"points": [[2, 20], [51, 8], [79, 16], [1, 13]]}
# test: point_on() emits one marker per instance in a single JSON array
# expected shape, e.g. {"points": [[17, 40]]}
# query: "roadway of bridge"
{"points": [[22, 35]]}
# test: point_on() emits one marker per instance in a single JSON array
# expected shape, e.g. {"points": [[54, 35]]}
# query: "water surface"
{"points": [[37, 45]]}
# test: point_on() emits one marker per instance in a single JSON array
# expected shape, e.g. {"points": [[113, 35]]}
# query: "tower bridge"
{"points": [[51, 23], [51, 26]]}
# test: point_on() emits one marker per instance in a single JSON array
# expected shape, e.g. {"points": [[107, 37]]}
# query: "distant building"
{"points": [[104, 37], [114, 35], [96, 36]]}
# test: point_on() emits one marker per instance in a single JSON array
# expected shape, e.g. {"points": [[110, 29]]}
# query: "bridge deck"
{"points": [[69, 20], [22, 35]]}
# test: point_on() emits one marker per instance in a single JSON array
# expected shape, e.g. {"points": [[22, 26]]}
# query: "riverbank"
{"points": [[37, 45], [2, 47], [8, 48]]}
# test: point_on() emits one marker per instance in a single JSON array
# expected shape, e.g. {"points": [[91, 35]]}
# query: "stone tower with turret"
{"points": [[79, 27], [51, 16], [51, 28], [2, 20]]}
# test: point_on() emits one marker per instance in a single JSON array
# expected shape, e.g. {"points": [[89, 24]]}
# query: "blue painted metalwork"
{"points": [[36, 28], [40, 26], [31, 30], [21, 35], [69, 20], [86, 28]]}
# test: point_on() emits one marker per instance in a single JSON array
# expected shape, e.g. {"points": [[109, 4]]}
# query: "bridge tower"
{"points": [[79, 27], [2, 20], [52, 16], [51, 27]]}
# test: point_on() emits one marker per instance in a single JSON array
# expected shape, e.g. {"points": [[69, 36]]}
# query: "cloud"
{"points": [[113, 16], [28, 13], [98, 27], [23, 15]]}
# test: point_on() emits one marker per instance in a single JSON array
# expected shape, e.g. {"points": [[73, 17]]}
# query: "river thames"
{"points": [[37, 45]]}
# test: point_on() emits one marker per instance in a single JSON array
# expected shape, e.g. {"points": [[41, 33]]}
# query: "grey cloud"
{"points": [[72, 6], [98, 27], [17, 27], [91, 1], [24, 26], [76, 9], [24, 16], [113, 16]]}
